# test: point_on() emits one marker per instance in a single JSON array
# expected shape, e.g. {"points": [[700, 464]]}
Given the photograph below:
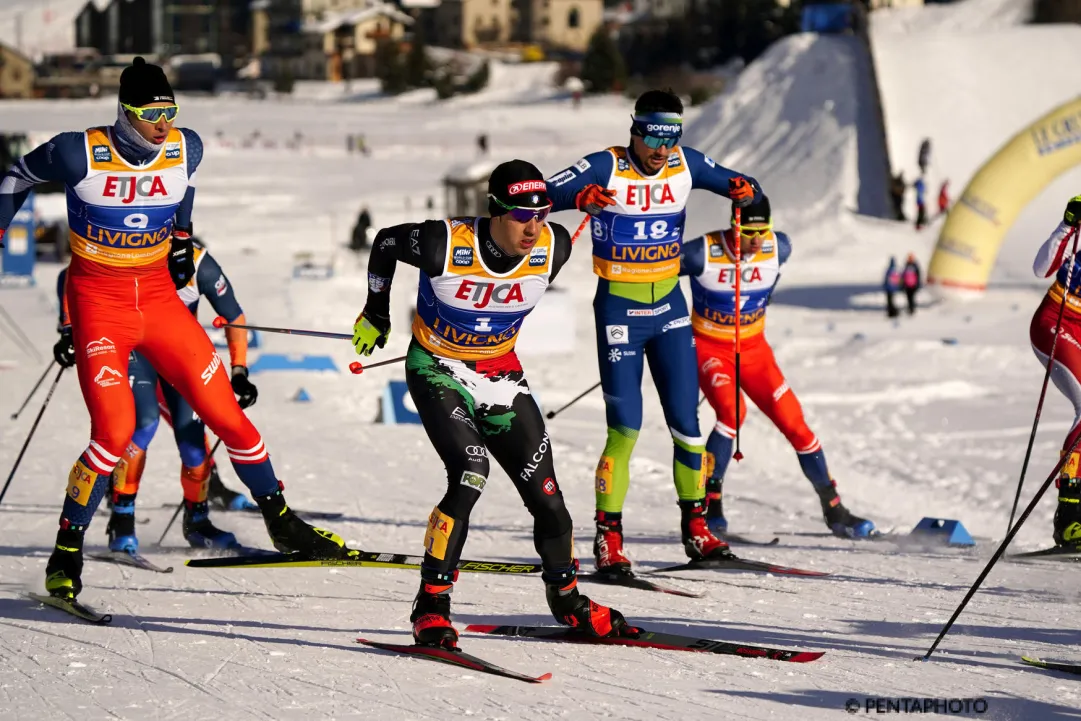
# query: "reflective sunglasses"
{"points": [[653, 142], [153, 115], [751, 233], [521, 214]]}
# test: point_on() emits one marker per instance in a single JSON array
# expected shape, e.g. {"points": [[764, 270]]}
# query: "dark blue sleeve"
{"points": [[692, 257], [62, 159], [193, 147], [708, 175], [213, 284], [784, 248], [564, 186]]}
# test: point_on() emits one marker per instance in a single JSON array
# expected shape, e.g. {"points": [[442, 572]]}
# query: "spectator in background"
{"points": [[910, 277], [482, 143], [921, 202], [925, 155], [944, 197], [897, 195], [891, 284], [359, 241]]}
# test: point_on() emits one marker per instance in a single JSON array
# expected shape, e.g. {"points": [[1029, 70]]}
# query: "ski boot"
{"points": [[121, 528], [573, 609], [64, 572], [1068, 514], [290, 534], [431, 617], [715, 519], [223, 498], [839, 519], [608, 544], [698, 541], [199, 532]]}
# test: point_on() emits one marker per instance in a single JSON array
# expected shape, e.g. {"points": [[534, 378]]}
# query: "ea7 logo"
{"points": [[208, 373]]}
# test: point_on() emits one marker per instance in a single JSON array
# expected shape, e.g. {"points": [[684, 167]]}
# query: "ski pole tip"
{"points": [[549, 415], [356, 368], [219, 321]]}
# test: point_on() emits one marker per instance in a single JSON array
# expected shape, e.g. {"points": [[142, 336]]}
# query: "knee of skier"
{"points": [[144, 432], [191, 454], [465, 483], [111, 440]]}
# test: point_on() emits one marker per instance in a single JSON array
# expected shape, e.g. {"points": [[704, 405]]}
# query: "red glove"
{"points": [[2, 231], [593, 199], [740, 191]]}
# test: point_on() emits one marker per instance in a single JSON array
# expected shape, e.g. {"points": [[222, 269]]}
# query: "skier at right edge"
{"points": [[1066, 372]]}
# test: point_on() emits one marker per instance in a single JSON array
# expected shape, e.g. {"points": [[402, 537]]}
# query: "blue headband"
{"points": [[659, 125]]}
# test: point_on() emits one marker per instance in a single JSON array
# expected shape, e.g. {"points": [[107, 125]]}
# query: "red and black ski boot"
{"points": [[431, 617], [573, 609], [698, 541], [608, 544]]}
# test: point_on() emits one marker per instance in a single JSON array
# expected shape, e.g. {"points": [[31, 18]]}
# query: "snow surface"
{"points": [[912, 427], [47, 26]]}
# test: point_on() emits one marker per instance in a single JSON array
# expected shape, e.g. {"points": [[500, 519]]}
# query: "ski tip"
{"points": [[545, 677], [480, 628], [807, 656]]}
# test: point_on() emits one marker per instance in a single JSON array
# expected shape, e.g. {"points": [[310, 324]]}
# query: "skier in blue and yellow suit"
{"points": [[637, 196]]}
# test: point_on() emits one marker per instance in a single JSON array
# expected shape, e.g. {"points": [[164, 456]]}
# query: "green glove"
{"points": [[1072, 216], [370, 332]]}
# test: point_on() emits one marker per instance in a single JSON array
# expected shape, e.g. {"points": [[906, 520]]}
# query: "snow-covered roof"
{"points": [[420, 4], [333, 21], [471, 172]]}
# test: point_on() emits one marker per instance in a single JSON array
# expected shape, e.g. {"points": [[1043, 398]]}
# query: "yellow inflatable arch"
{"points": [[977, 224]]}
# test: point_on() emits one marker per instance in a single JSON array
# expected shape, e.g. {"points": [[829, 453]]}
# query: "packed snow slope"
{"points": [[969, 76], [912, 426]]}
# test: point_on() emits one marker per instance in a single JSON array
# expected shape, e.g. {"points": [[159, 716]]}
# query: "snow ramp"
{"points": [[802, 120]]}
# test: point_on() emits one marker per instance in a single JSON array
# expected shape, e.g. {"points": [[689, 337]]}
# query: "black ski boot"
{"points": [[290, 534], [839, 519], [571, 608], [64, 572], [715, 520], [1068, 513], [431, 617], [199, 532], [223, 498]]}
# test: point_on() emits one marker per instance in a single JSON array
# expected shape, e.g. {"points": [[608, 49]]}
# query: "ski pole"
{"points": [[34, 389], [581, 227], [580, 396], [180, 508], [738, 455], [1046, 375], [28, 348], [1002, 547], [356, 367], [33, 428]]}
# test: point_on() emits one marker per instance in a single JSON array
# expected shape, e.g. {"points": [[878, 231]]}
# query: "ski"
{"points": [[1074, 668], [737, 564], [73, 607], [745, 541], [455, 658], [649, 639], [124, 558], [306, 515], [1055, 553], [360, 559], [629, 580]]}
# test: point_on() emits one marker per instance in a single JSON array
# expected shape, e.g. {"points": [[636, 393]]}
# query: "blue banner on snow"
{"points": [[281, 362], [834, 18]]}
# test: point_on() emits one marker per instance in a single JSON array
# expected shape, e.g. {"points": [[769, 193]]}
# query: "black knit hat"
{"points": [[516, 184], [142, 83], [755, 213]]}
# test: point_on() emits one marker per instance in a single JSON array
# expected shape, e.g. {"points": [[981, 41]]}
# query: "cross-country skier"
{"points": [[129, 194], [188, 428], [637, 196], [479, 279], [1066, 371], [710, 261]]}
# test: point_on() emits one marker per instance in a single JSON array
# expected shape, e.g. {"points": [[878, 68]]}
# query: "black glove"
{"points": [[64, 350], [246, 392], [1072, 216], [181, 257]]}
